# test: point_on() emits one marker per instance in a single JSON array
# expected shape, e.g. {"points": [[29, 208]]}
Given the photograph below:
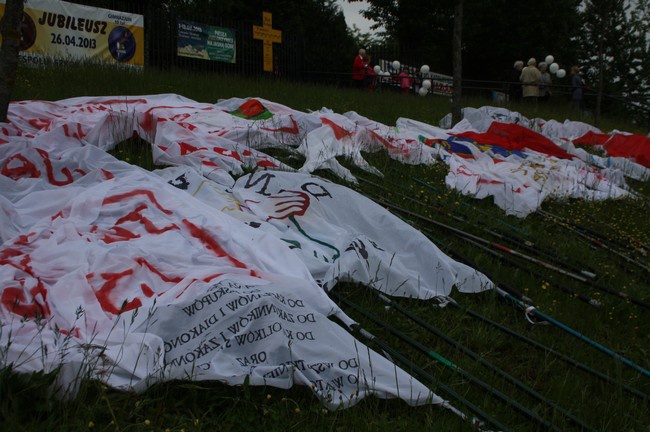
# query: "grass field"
{"points": [[561, 373]]}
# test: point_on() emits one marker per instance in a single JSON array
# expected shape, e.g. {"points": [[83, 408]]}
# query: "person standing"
{"points": [[405, 80], [371, 76], [545, 83], [515, 85], [577, 85], [359, 67], [530, 78]]}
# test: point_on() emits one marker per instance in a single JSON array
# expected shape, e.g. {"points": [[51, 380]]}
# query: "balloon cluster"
{"points": [[426, 84], [379, 72], [395, 66], [554, 68]]}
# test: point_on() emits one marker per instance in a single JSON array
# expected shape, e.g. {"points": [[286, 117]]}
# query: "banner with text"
{"points": [[206, 42], [65, 30]]}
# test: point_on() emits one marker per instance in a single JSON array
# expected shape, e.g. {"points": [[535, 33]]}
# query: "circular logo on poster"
{"points": [[121, 44], [27, 32]]}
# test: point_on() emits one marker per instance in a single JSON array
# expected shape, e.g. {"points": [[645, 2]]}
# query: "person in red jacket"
{"points": [[359, 69], [405, 80]]}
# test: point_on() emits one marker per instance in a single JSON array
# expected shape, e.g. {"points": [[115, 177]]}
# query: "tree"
{"points": [[498, 32], [614, 45], [495, 32], [311, 20], [10, 27], [422, 29], [456, 103], [636, 82], [364, 40]]}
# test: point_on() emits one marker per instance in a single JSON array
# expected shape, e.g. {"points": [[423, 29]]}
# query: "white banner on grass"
{"points": [[109, 272]]}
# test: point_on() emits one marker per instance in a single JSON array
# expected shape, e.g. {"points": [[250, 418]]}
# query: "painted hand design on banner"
{"points": [[290, 203]]}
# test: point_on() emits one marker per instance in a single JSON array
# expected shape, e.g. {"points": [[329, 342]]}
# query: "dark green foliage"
{"points": [[495, 33], [498, 32], [615, 52]]}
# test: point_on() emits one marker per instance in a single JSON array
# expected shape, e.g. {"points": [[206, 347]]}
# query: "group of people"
{"points": [[364, 76], [532, 84], [529, 84]]}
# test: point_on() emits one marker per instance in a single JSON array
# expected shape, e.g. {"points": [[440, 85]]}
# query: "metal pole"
{"points": [[550, 350], [463, 234], [449, 364], [423, 375], [474, 356], [532, 310]]}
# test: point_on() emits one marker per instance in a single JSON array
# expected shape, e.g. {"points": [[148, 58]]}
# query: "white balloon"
{"points": [[377, 69], [423, 91], [549, 59], [425, 69], [426, 84], [554, 67], [396, 65], [561, 73], [385, 73]]}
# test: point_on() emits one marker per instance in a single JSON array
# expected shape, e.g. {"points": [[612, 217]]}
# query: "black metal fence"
{"points": [[161, 44], [161, 41], [161, 47]]}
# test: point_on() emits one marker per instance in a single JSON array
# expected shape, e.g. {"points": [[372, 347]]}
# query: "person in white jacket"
{"points": [[530, 78]]}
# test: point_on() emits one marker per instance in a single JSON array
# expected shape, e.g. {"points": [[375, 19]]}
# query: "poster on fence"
{"points": [[440, 84], [206, 42], [58, 29]]}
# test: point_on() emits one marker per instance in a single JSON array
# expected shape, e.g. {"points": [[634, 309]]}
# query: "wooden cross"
{"points": [[269, 36]]}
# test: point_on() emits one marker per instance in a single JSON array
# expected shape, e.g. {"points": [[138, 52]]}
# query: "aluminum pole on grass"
{"points": [[590, 301], [504, 292], [520, 298], [639, 245], [526, 244], [474, 356], [421, 374], [459, 257], [620, 294], [510, 226], [598, 237], [596, 242], [544, 317], [468, 238], [488, 243], [550, 350], [449, 364]]}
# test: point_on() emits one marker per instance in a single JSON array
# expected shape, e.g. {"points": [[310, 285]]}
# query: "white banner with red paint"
{"points": [[337, 233], [121, 277], [110, 272]]}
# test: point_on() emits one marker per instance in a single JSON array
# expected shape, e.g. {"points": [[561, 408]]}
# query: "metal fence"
{"points": [[161, 44], [161, 41]]}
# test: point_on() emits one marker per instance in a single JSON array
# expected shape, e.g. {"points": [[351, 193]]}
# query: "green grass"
{"points": [[619, 324]]}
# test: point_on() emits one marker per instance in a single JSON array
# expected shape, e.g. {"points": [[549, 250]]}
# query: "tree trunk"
{"points": [[10, 29], [599, 96], [456, 105]]}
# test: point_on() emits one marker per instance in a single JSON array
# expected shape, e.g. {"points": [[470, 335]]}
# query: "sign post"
{"points": [[269, 36]]}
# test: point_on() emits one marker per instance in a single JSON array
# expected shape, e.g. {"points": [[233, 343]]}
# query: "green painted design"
{"points": [[299, 228]]}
